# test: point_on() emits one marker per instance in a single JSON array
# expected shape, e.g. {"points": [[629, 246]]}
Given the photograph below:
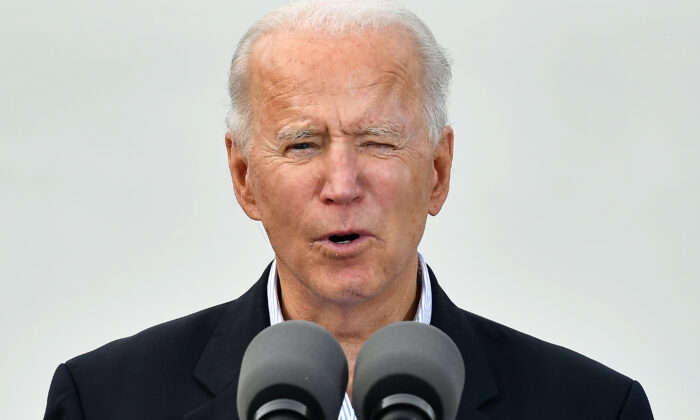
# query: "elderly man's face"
{"points": [[341, 171]]}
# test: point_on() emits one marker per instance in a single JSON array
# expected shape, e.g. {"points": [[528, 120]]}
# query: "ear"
{"points": [[238, 166], [442, 164]]}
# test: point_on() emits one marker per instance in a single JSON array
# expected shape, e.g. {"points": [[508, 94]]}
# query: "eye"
{"points": [[301, 146], [301, 150], [379, 146]]}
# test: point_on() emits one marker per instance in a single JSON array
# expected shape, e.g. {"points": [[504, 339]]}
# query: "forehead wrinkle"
{"points": [[390, 80], [282, 90]]}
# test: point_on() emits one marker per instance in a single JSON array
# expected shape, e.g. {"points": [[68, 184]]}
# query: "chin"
{"points": [[349, 287]]}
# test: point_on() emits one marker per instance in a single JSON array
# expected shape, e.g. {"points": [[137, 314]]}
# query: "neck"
{"points": [[352, 322]]}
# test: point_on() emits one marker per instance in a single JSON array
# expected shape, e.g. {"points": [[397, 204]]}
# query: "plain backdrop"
{"points": [[572, 215]]}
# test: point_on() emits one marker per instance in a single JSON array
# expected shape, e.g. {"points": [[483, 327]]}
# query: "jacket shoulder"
{"points": [[534, 375], [149, 372], [187, 334], [521, 347]]}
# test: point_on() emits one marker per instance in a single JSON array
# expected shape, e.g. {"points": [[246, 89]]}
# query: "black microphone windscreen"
{"points": [[408, 358], [293, 360]]}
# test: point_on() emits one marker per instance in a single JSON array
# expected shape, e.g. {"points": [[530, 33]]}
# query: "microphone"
{"points": [[408, 371], [294, 370]]}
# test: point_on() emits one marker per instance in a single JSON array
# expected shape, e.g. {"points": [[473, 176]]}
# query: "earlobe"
{"points": [[442, 164], [238, 166]]}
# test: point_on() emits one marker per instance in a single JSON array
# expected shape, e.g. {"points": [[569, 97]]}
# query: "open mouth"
{"points": [[343, 239]]}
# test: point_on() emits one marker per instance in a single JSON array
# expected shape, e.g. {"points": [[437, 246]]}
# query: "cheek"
{"points": [[284, 194], [395, 185], [401, 192]]}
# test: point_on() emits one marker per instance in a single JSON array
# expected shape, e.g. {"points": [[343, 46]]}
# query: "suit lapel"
{"points": [[220, 364], [480, 385]]}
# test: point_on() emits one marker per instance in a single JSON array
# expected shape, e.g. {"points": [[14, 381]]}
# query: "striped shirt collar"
{"points": [[423, 314]]}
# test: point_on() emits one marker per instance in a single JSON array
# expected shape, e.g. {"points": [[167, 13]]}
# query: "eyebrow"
{"points": [[384, 129], [293, 134]]}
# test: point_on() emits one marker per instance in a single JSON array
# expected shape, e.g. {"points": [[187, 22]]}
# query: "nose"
{"points": [[341, 175]]}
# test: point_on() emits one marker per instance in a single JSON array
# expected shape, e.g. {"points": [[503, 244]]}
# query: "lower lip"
{"points": [[346, 249]]}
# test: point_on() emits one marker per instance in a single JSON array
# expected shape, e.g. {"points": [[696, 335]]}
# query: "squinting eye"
{"points": [[379, 145]]}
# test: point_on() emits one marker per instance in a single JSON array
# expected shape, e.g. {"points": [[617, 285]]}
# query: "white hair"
{"points": [[338, 17]]}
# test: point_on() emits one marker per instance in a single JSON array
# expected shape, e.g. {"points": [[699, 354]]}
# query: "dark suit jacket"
{"points": [[188, 369]]}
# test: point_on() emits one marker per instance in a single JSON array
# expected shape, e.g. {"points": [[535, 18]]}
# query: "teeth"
{"points": [[347, 241]]}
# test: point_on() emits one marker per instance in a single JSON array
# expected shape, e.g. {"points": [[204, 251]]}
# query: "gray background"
{"points": [[573, 213]]}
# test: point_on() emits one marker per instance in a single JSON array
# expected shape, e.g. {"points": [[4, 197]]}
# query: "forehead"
{"points": [[392, 42], [298, 62]]}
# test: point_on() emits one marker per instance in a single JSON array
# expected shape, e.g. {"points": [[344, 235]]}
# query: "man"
{"points": [[338, 144]]}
